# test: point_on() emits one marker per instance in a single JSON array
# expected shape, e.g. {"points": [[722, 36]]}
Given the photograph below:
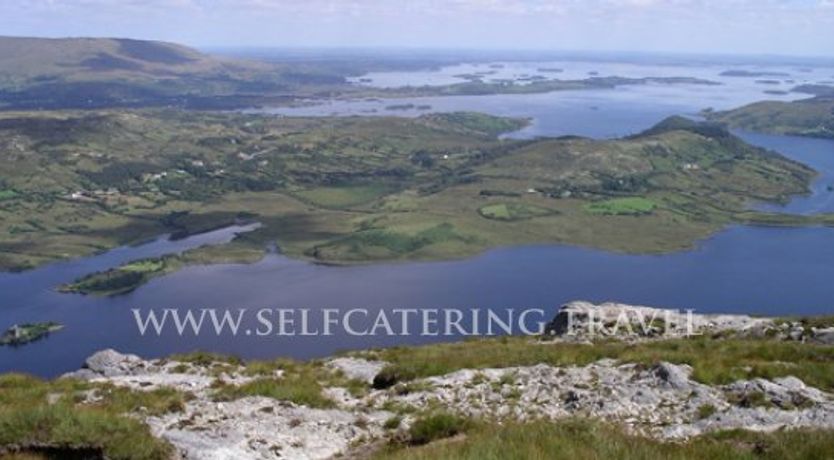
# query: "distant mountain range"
{"points": [[107, 72], [88, 57]]}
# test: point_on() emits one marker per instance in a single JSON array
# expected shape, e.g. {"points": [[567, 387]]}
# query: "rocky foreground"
{"points": [[662, 400]]}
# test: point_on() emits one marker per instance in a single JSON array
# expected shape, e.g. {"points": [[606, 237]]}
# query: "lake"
{"points": [[763, 271]]}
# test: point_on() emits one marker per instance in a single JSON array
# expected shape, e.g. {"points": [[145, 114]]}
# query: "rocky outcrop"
{"points": [[584, 320], [662, 400], [246, 428], [263, 428], [108, 363]]}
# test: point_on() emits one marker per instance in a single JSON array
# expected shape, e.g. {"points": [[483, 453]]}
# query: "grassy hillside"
{"points": [[111, 72], [77, 182], [810, 117], [73, 416], [366, 189], [41, 57]]}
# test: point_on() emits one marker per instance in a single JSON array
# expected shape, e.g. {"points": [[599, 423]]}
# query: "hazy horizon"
{"points": [[730, 27]]}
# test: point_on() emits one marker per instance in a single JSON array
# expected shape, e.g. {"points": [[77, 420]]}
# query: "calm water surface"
{"points": [[768, 271]]}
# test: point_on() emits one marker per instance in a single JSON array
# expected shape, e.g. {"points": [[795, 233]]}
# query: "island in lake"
{"points": [[22, 334]]}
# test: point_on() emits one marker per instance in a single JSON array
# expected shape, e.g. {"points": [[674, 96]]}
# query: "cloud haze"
{"points": [[799, 27]]}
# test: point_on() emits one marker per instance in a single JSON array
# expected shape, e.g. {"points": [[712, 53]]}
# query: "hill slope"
{"points": [[112, 72], [808, 117], [41, 58], [367, 189]]}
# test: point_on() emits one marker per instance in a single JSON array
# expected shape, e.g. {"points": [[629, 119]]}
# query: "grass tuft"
{"points": [[55, 414], [714, 361], [581, 439], [437, 426]]}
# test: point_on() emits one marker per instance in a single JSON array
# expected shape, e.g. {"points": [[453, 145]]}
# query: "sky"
{"points": [[788, 27]]}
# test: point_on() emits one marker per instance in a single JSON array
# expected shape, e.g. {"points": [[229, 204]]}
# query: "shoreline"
{"points": [[651, 383], [184, 258]]}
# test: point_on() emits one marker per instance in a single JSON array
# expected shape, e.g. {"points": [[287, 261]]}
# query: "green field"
{"points": [[622, 206], [144, 266], [359, 190], [513, 211], [344, 196]]}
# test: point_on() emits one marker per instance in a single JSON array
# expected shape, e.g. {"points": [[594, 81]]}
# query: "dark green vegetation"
{"points": [[715, 361], [437, 426], [122, 279], [126, 278], [766, 219], [363, 189], [581, 439], [37, 413], [808, 117], [25, 333]]}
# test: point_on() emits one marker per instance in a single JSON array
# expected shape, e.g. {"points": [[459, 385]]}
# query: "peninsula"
{"points": [[356, 190]]}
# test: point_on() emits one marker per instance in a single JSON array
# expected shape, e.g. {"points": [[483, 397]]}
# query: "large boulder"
{"points": [[108, 363]]}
